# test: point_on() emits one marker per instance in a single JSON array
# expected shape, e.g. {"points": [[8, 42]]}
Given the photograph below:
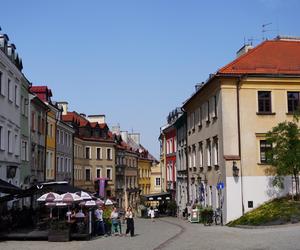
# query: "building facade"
{"points": [[10, 119], [181, 164], [228, 118], [155, 186]]}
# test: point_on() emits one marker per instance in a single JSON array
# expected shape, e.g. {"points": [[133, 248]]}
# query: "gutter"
{"points": [[239, 139]]}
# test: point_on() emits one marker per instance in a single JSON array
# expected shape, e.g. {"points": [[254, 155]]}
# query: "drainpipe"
{"points": [[239, 140], [45, 151]]}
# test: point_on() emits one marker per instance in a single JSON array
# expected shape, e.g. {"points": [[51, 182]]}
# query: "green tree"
{"points": [[284, 155]]}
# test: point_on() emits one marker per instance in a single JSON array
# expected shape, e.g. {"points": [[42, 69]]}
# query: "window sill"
{"points": [[290, 113], [265, 113], [263, 164]]}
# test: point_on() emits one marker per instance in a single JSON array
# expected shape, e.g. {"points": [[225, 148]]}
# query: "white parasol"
{"points": [[108, 202], [70, 198], [50, 197]]}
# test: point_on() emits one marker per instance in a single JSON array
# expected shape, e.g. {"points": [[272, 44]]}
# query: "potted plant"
{"points": [[59, 231], [207, 216]]}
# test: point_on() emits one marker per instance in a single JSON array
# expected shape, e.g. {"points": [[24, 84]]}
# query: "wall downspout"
{"points": [[239, 140]]}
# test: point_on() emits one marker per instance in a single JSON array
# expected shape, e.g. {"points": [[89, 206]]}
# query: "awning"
{"points": [[157, 196], [8, 188]]}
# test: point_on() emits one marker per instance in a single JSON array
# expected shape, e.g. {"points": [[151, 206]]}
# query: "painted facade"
{"points": [[10, 119], [155, 186], [228, 118]]}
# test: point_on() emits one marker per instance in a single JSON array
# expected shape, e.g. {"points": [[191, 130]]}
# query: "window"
{"points": [[1, 84], [57, 164], [88, 153], [61, 137], [200, 116], [108, 173], [207, 106], [190, 158], [201, 154], [208, 148], [216, 151], [264, 102], [17, 145], [194, 156], [87, 174], [9, 141], [109, 154], [39, 124], [99, 153], [193, 120], [17, 96], [98, 172], [157, 181], [293, 101], [1, 138], [32, 121], [215, 107], [58, 136], [264, 148], [9, 91], [61, 164]]}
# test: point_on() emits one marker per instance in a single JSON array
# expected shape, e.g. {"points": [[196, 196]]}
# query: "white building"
{"points": [[10, 131]]}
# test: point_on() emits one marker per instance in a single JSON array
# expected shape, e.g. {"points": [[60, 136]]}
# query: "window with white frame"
{"points": [[88, 176], [88, 153], [208, 111], [24, 152], [66, 165], [17, 100], [194, 156], [1, 84], [193, 120], [171, 145], [109, 153], [216, 151], [98, 172], [17, 145], [208, 148], [9, 142], [109, 173], [62, 137], [2, 138], [157, 181], [215, 106], [190, 158], [200, 116], [99, 153], [9, 90], [201, 154]]}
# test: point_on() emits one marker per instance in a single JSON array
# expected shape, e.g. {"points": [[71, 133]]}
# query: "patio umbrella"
{"points": [[108, 202], [90, 203], [99, 202], [50, 197], [70, 198], [84, 195]]}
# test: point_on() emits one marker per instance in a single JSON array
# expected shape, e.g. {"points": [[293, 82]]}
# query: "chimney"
{"points": [[115, 129], [124, 135], [244, 50], [135, 137], [3, 42], [96, 118], [63, 106]]}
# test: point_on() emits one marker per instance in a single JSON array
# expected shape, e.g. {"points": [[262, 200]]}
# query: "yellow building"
{"points": [[227, 120], [144, 170], [155, 186], [51, 143]]}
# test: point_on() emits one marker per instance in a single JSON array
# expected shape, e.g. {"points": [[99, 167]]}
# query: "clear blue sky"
{"points": [[135, 60]]}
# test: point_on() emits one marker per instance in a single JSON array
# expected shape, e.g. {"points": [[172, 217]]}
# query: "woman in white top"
{"points": [[151, 213], [129, 222]]}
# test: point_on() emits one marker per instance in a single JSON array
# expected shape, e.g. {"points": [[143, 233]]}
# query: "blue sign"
{"points": [[220, 185]]}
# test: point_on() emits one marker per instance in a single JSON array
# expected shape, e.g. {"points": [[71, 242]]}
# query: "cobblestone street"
{"points": [[172, 233]]}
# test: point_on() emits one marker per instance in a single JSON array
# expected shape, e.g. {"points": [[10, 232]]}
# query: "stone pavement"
{"points": [[172, 233]]}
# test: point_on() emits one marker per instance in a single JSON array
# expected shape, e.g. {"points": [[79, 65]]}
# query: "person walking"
{"points": [[114, 221], [151, 213], [129, 222]]}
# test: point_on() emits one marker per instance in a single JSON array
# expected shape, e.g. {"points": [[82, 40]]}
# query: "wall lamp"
{"points": [[235, 169]]}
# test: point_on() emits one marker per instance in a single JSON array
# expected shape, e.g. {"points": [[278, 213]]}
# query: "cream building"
{"points": [[228, 118]]}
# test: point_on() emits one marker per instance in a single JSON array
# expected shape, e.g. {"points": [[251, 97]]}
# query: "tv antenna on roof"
{"points": [[264, 30]]}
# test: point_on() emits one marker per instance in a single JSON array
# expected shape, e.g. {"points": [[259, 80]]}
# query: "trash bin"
{"points": [[195, 218]]}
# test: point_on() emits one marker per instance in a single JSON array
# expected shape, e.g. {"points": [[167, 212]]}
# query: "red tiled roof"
{"points": [[73, 116], [270, 57], [41, 89]]}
